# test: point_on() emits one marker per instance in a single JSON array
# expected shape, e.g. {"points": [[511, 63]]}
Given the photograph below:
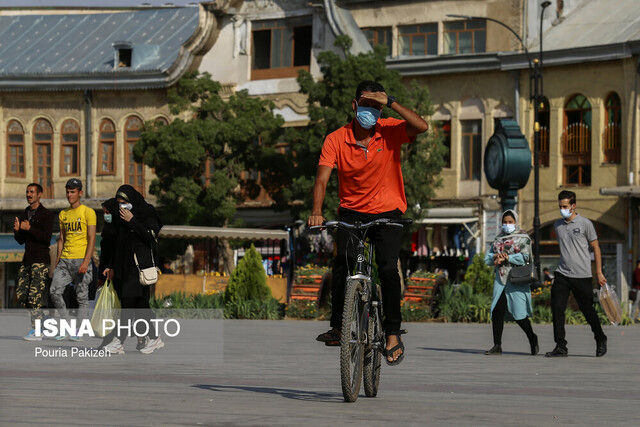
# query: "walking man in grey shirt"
{"points": [[575, 235]]}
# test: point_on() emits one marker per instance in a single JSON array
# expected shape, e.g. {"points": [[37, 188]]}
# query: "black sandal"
{"points": [[399, 346], [330, 338]]}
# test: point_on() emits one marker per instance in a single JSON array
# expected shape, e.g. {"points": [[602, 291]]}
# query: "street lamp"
{"points": [[535, 95]]}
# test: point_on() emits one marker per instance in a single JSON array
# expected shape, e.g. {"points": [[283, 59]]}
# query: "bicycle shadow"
{"points": [[309, 396]]}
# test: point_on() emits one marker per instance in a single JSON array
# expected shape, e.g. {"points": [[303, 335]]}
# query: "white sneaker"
{"points": [[31, 336], [114, 347], [152, 345]]}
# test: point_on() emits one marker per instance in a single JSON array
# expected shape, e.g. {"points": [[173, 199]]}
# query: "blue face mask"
{"points": [[108, 218], [367, 116], [508, 228]]}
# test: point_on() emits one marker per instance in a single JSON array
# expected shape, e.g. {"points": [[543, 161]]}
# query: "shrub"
{"points": [[249, 280], [302, 310], [464, 305], [479, 276], [252, 309], [412, 312]]}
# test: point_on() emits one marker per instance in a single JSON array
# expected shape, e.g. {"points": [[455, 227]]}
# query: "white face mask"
{"points": [[508, 228], [566, 213], [127, 206]]}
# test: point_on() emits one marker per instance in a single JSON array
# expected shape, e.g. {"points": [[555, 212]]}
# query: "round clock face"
{"points": [[494, 159]]}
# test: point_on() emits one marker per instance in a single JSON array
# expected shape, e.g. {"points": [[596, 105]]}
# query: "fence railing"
{"points": [[611, 143]]}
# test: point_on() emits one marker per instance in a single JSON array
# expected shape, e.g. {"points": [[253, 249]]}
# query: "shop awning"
{"points": [[622, 191], [12, 251], [195, 232], [463, 216]]}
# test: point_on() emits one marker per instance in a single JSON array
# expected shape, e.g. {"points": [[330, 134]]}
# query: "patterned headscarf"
{"points": [[511, 243]]}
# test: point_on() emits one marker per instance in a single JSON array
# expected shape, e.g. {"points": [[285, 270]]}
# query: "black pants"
{"points": [[497, 321], [583, 293], [387, 241]]}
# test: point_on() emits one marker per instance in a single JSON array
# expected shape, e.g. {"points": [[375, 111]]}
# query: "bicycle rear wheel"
{"points": [[352, 341], [373, 355]]}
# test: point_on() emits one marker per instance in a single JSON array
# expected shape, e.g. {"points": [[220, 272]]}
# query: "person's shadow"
{"points": [[469, 351], [311, 396]]}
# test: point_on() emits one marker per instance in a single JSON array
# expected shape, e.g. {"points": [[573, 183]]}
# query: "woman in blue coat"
{"points": [[512, 301]]}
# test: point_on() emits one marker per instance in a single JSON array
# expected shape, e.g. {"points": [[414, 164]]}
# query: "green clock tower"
{"points": [[507, 161]]}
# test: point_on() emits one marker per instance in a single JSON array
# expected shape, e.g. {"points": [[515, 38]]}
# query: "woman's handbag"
{"points": [[522, 274], [149, 275]]}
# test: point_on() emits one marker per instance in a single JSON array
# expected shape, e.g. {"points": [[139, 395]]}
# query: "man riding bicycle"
{"points": [[366, 153]]}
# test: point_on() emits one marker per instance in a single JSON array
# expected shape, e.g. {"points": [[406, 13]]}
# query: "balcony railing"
{"points": [[611, 143]]}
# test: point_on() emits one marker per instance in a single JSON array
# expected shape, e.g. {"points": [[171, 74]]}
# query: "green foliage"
{"points": [[464, 305], [249, 280], [237, 134], [253, 309], [479, 276], [330, 107], [302, 310], [234, 309], [415, 312]]}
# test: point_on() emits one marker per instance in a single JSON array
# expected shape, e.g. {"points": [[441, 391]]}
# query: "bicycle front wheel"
{"points": [[373, 355], [352, 341]]}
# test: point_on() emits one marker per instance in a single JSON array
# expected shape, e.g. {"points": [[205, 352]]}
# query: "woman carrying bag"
{"points": [[510, 254], [136, 233]]}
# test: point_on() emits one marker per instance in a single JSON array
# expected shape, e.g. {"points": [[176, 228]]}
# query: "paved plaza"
{"points": [[274, 373]]}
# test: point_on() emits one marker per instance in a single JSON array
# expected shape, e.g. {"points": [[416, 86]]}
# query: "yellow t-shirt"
{"points": [[74, 222]]}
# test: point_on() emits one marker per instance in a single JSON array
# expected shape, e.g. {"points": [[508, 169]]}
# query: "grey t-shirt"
{"points": [[574, 238]]}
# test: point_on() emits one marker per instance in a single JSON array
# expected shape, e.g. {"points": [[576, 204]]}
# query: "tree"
{"points": [[249, 280], [234, 134], [479, 276], [329, 106]]}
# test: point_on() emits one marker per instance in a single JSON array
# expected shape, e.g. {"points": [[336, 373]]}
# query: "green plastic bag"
{"points": [[107, 308]]}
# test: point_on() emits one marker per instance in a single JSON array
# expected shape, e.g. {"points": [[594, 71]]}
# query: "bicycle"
{"points": [[362, 340]]}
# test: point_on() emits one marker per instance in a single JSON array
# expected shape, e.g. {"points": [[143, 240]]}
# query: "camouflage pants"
{"points": [[30, 292]]}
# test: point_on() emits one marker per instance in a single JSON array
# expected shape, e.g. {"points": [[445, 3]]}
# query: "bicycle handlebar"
{"points": [[382, 221]]}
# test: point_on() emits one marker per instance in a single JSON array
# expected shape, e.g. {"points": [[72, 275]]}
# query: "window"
{"points": [[465, 36], [379, 36], [70, 148], [443, 129], [613, 124], [471, 149], [417, 40], [42, 148], [15, 149], [209, 169], [280, 48], [107, 148], [543, 120], [161, 121], [134, 171], [576, 142]]}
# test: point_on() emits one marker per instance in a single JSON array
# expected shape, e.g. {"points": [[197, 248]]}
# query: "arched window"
{"points": [[611, 143], [544, 119], [15, 149], [134, 171], [107, 148], [70, 148], [576, 141], [161, 121], [42, 149]]}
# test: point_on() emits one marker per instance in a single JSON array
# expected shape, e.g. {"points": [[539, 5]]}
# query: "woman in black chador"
{"points": [[136, 225]]}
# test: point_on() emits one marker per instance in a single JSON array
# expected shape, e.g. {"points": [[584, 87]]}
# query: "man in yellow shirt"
{"points": [[75, 249]]}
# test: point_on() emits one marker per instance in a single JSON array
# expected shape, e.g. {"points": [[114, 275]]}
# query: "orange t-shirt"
{"points": [[370, 181]]}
